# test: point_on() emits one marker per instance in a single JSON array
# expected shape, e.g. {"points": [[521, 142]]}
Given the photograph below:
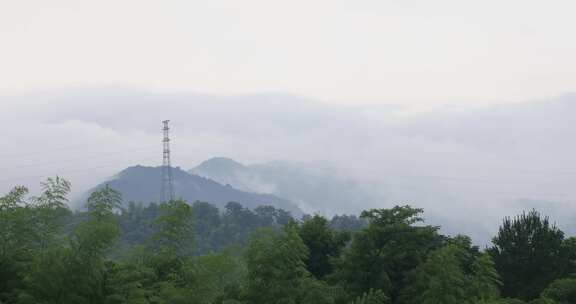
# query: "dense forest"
{"points": [[177, 252]]}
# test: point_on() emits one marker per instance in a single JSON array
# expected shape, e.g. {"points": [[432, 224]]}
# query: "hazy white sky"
{"points": [[96, 74], [418, 53]]}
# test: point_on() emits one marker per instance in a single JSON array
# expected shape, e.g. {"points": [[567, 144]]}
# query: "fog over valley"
{"points": [[466, 166]]}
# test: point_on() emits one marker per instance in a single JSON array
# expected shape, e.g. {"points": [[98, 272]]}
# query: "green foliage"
{"points": [[544, 301], [96, 235], [485, 281], [49, 278], [54, 193], [16, 241], [508, 301], [27, 227], [218, 277], [102, 203], [562, 291], [50, 256], [208, 228], [129, 283], [213, 230], [275, 265], [323, 244], [455, 273], [373, 296], [50, 210], [172, 243], [529, 253], [317, 292], [174, 228], [443, 279], [75, 272], [382, 255]]}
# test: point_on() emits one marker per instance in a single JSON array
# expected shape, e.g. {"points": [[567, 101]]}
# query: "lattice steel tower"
{"points": [[167, 189]]}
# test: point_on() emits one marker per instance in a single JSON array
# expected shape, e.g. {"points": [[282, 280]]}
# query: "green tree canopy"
{"points": [[323, 245], [529, 253], [275, 265], [382, 254], [562, 291]]}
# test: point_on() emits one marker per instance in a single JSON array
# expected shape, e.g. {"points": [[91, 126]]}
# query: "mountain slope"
{"points": [[313, 188], [141, 184]]}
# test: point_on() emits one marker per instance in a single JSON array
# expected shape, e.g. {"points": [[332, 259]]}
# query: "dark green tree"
{"points": [[484, 281], [530, 253], [50, 210], [386, 251], [207, 221], [373, 296], [323, 244], [455, 273], [26, 230], [318, 292], [275, 265], [442, 279], [16, 241], [75, 273], [562, 291], [173, 241], [544, 301], [218, 277], [129, 283]]}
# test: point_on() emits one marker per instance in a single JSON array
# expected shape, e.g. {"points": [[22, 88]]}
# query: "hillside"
{"points": [[312, 187], [141, 184]]}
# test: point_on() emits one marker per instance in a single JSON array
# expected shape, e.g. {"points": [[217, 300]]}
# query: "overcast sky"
{"points": [[418, 53], [461, 107]]}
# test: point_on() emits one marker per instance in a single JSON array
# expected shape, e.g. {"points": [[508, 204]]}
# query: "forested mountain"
{"points": [[214, 229], [313, 187], [140, 184]]}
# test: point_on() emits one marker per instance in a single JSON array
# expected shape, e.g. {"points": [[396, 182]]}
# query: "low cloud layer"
{"points": [[467, 167]]}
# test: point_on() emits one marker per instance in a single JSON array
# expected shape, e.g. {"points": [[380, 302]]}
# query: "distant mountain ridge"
{"points": [[142, 184], [312, 187]]}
